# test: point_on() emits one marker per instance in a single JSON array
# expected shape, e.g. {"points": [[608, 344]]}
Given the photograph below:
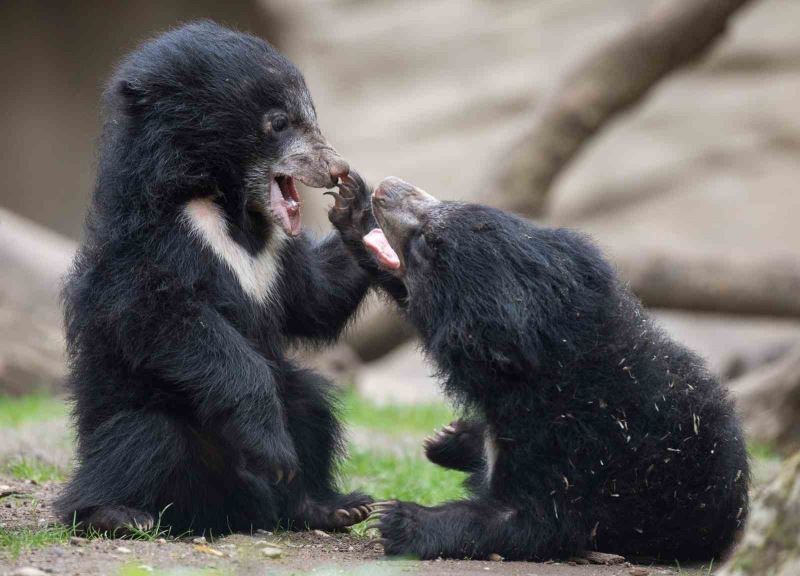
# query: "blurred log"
{"points": [[771, 544], [768, 400], [611, 80], [33, 260], [379, 330], [708, 283]]}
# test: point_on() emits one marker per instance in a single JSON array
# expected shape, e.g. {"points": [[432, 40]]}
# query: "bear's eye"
{"points": [[279, 123]]}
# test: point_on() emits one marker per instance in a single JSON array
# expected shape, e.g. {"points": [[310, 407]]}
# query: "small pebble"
{"points": [[265, 532], [28, 571], [77, 541], [122, 550], [272, 552], [161, 540], [495, 557], [199, 540], [322, 533]]}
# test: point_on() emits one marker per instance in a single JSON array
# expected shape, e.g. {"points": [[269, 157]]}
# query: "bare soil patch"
{"points": [[25, 505]]}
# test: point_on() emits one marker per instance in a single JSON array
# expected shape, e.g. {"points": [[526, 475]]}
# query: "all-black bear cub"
{"points": [[585, 426]]}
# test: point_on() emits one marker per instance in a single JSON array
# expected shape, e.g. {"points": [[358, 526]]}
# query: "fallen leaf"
{"points": [[208, 550]]}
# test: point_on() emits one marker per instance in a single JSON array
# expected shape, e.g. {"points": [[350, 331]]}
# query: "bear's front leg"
{"points": [[464, 529]]}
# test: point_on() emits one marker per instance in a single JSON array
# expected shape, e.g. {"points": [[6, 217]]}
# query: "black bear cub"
{"points": [[585, 427]]}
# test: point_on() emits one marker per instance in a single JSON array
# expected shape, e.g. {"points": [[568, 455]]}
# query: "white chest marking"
{"points": [[489, 453], [257, 275]]}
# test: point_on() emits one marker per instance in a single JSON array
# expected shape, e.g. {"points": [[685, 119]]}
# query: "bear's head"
{"points": [[205, 111], [449, 255], [486, 287]]}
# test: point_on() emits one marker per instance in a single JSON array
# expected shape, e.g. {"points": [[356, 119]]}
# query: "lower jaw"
{"points": [[291, 224], [295, 225], [287, 215]]}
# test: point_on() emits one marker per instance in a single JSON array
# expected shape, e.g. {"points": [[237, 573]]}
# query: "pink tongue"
{"points": [[379, 246]]}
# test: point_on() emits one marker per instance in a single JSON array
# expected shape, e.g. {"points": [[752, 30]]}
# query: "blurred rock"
{"points": [[771, 544], [768, 400], [732, 345], [381, 328], [401, 377], [338, 363], [33, 260]]}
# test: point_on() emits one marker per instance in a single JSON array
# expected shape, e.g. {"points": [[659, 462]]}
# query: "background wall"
{"points": [[54, 61]]}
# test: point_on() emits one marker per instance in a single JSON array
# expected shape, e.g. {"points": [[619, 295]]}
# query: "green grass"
{"points": [[385, 474], [395, 420], [761, 451], [14, 541], [401, 477], [27, 469], [18, 410]]}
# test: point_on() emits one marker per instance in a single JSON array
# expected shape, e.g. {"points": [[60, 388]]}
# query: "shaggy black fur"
{"points": [[586, 427], [184, 398]]}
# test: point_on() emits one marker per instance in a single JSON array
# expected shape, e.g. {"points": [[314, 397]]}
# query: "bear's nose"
{"points": [[392, 186], [338, 169], [382, 191]]}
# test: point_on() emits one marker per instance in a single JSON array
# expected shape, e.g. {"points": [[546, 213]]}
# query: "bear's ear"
{"points": [[135, 95]]}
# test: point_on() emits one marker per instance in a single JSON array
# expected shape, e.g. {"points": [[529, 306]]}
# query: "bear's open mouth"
{"points": [[284, 201]]}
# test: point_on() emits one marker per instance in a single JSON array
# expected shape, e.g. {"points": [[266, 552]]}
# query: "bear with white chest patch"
{"points": [[193, 278]]}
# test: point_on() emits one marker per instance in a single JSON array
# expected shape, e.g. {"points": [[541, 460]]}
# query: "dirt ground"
{"points": [[28, 505]]}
